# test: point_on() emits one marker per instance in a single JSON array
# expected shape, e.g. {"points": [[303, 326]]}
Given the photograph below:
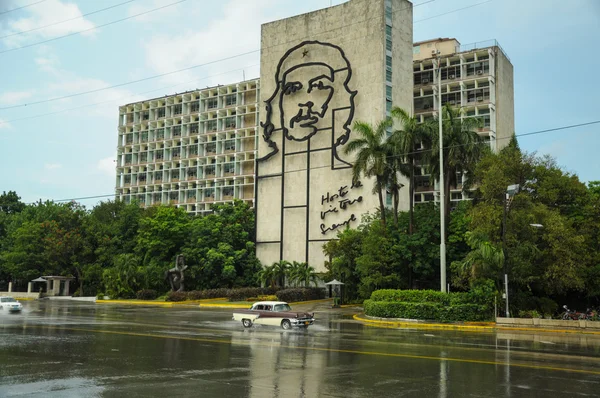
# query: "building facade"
{"points": [[321, 72], [477, 78], [191, 149], [279, 142]]}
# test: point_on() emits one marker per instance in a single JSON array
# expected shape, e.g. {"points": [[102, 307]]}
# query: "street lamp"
{"points": [[511, 191]]}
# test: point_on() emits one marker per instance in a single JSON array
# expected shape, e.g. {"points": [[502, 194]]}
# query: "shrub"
{"points": [[176, 296], [427, 311], [208, 294], [529, 314], [480, 297], [244, 293], [146, 294], [100, 296], [300, 294]]}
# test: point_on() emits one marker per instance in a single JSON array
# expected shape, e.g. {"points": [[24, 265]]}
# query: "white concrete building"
{"points": [[477, 78], [189, 149]]}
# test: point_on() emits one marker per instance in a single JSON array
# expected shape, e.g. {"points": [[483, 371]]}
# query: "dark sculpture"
{"points": [[175, 274]]}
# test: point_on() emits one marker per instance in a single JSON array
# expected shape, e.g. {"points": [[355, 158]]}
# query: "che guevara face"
{"points": [[305, 96]]}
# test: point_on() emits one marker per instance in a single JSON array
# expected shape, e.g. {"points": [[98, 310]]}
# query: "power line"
{"points": [[127, 83], [19, 8], [133, 95], [90, 29], [184, 69], [398, 155], [450, 12], [65, 20]]}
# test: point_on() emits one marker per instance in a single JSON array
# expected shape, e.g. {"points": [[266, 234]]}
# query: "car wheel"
{"points": [[286, 324], [247, 323]]}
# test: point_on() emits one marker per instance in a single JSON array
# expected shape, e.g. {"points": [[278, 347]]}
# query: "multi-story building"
{"points": [[477, 78], [190, 149], [197, 148]]}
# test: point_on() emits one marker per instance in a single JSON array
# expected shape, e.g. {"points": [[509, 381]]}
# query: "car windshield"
{"points": [[282, 307], [8, 300]]}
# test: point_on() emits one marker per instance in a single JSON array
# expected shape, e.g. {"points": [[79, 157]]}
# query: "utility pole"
{"points": [[441, 182]]}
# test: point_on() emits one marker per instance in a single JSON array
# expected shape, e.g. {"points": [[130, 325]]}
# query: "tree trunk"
{"points": [[381, 206], [396, 200], [447, 202]]}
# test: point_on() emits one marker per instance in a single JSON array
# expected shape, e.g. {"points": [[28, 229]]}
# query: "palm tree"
{"points": [[371, 157], [405, 143], [280, 271], [462, 150], [485, 258], [302, 273], [267, 276]]}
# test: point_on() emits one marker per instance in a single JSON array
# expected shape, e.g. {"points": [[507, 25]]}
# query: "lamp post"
{"points": [[511, 191]]}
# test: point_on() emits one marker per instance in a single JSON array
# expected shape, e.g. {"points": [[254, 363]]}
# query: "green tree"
{"points": [[280, 271], [162, 233], [10, 203], [462, 151], [405, 142], [372, 155], [302, 274], [267, 276]]}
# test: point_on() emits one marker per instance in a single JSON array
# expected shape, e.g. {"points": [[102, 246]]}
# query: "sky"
{"points": [[66, 148]]}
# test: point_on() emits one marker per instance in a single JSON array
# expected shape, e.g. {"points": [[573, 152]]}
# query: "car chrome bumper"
{"points": [[302, 322]]}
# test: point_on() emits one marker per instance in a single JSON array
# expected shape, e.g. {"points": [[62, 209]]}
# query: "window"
{"points": [[423, 77], [160, 134], [229, 168], [230, 100], [388, 105], [388, 62], [388, 75], [195, 107], [211, 103], [416, 50], [209, 193], [145, 137], [158, 176], [456, 196], [388, 11], [191, 194], [193, 151], [229, 122], [388, 44], [211, 147], [230, 145], [388, 30], [211, 125], [388, 92], [175, 174], [144, 157], [228, 191], [177, 131], [417, 198], [128, 179], [128, 138], [177, 110], [146, 115], [209, 170], [176, 152], [128, 159], [161, 113], [193, 129], [428, 197]]}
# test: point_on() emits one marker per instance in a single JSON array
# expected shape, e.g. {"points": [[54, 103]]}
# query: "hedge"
{"points": [[428, 311], [431, 296], [300, 294], [146, 294], [208, 294]]}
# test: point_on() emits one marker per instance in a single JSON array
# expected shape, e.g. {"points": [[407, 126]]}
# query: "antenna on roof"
{"points": [[243, 75]]}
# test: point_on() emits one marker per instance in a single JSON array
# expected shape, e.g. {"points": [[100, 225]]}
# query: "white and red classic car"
{"points": [[273, 313]]}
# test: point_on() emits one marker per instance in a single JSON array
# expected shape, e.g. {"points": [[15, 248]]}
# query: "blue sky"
{"points": [[552, 44]]}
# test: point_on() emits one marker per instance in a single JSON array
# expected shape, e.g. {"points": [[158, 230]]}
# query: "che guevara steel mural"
{"points": [[312, 99]]}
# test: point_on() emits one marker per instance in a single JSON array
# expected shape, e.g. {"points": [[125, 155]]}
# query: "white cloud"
{"points": [[237, 31], [52, 166], [46, 13], [4, 124], [14, 97], [165, 13], [107, 166]]}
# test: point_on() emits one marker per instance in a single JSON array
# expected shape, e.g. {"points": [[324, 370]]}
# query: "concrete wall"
{"points": [[423, 50], [18, 295], [548, 323], [505, 100], [305, 179]]}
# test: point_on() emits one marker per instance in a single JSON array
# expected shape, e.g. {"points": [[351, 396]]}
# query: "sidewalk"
{"points": [[464, 326]]}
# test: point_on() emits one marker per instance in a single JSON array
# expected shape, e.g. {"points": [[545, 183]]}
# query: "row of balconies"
{"points": [[161, 156]]}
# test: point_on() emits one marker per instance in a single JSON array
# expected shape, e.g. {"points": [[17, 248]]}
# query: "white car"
{"points": [[273, 313], [10, 304]]}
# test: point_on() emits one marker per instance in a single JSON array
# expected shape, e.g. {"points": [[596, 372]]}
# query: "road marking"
{"points": [[325, 349]]}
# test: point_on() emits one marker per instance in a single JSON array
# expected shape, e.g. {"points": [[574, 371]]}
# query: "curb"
{"points": [[419, 325], [467, 327], [136, 302]]}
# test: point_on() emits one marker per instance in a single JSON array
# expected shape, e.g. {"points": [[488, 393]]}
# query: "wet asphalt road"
{"points": [[57, 349]]}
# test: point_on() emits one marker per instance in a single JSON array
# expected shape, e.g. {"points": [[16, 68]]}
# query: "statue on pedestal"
{"points": [[175, 274]]}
